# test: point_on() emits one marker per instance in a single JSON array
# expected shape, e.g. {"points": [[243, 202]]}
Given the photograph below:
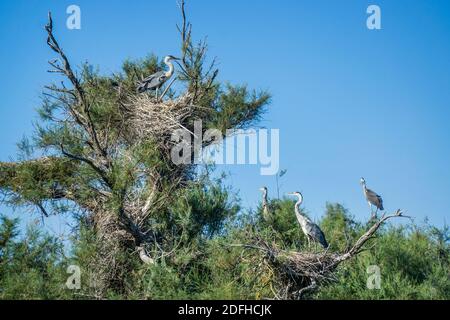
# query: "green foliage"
{"points": [[414, 261], [340, 227], [32, 267], [237, 108], [283, 226], [413, 265]]}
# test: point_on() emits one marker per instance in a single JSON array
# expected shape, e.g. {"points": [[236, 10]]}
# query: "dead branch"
{"points": [[357, 247], [83, 118]]}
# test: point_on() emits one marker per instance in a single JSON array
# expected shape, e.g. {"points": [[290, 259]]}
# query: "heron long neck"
{"points": [[301, 219], [364, 187], [264, 202], [169, 73]]}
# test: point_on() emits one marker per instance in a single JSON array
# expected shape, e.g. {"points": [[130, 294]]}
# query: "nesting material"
{"points": [[307, 264], [298, 272], [148, 118]]}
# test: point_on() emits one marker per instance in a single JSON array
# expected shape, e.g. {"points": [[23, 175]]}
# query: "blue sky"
{"points": [[349, 102]]}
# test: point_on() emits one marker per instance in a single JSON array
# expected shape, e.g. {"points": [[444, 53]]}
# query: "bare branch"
{"points": [[41, 207], [66, 69], [367, 236], [91, 163], [85, 120]]}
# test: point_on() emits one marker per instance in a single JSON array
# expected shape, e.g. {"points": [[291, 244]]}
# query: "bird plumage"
{"points": [[156, 80], [372, 197], [309, 228], [317, 234], [153, 82]]}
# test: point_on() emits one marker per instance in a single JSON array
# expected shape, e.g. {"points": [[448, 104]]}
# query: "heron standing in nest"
{"points": [[309, 228], [156, 80]]}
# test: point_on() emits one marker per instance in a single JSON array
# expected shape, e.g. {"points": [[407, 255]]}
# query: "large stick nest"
{"points": [[146, 117], [297, 272], [307, 264]]}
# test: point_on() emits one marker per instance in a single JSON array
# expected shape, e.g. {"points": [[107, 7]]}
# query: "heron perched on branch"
{"points": [[373, 199], [309, 228], [156, 80], [265, 205]]}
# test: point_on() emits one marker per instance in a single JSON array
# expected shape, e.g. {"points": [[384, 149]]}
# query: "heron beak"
{"points": [[290, 194]]}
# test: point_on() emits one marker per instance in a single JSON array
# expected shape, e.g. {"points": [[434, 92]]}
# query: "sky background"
{"points": [[349, 102]]}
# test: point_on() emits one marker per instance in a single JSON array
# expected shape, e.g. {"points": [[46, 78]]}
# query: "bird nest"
{"points": [[307, 264], [146, 117], [296, 272]]}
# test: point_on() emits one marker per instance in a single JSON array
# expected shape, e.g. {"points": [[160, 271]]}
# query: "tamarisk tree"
{"points": [[105, 152]]}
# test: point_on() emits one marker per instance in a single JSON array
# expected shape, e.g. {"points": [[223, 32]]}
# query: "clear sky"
{"points": [[349, 102]]}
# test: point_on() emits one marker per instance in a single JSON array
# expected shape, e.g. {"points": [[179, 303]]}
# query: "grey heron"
{"points": [[156, 80], [309, 228], [265, 205], [373, 199]]}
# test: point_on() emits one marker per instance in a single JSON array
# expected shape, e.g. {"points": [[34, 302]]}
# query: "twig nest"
{"points": [[147, 117], [307, 264]]}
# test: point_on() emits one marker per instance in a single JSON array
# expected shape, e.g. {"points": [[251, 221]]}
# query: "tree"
{"points": [[107, 153], [32, 266]]}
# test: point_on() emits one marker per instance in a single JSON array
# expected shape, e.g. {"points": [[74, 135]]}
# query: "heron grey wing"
{"points": [[144, 84], [380, 200], [317, 234], [152, 76], [157, 81], [374, 198]]}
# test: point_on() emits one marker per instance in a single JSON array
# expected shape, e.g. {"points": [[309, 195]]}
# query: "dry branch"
{"points": [[80, 110]]}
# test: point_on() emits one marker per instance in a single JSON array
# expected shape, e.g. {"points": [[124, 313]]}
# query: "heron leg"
{"points": [[156, 93], [309, 242], [371, 211]]}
